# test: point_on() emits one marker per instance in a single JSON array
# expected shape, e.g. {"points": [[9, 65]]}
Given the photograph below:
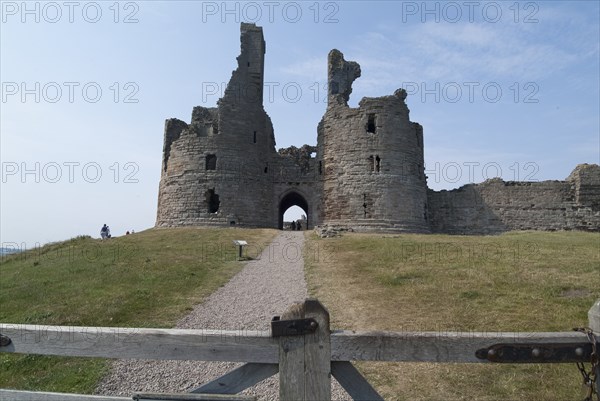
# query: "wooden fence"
{"points": [[300, 347]]}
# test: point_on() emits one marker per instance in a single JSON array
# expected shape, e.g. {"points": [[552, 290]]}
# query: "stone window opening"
{"points": [[320, 167], [254, 137], [364, 205], [371, 127], [266, 170], [211, 162], [377, 164], [212, 200], [248, 64]]}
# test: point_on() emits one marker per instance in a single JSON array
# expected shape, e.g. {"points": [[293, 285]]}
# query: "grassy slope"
{"points": [[149, 279], [514, 282]]}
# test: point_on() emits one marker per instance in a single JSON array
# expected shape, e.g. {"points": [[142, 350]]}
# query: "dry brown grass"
{"points": [[525, 281]]}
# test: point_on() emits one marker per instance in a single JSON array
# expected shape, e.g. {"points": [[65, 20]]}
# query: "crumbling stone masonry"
{"points": [[495, 206], [366, 172]]}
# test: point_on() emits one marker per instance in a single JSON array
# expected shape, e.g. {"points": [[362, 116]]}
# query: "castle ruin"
{"points": [[366, 172]]}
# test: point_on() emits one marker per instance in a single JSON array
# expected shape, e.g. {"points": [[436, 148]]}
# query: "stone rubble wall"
{"points": [[295, 171], [373, 161], [366, 172], [240, 134], [496, 206]]}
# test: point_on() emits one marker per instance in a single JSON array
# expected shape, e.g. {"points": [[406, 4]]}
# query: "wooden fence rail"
{"points": [[305, 361], [15, 395], [259, 346]]}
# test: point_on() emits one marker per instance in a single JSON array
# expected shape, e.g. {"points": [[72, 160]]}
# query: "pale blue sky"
{"points": [[542, 56]]}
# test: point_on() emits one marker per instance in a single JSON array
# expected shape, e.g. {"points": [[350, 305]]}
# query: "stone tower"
{"points": [[372, 158], [214, 170], [366, 172]]}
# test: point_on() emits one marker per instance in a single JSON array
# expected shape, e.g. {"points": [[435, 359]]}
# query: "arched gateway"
{"points": [[292, 198], [366, 172]]}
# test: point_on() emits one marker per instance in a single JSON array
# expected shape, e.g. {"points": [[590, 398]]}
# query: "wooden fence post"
{"points": [[317, 352], [305, 360], [594, 323]]}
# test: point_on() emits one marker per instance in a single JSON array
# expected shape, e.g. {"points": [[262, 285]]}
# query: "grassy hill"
{"points": [[523, 281], [148, 279], [527, 281]]}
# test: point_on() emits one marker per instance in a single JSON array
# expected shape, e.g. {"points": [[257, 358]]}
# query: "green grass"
{"points": [[513, 282], [524, 281], [149, 279]]}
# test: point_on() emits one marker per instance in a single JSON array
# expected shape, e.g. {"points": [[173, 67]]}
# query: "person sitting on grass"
{"points": [[104, 232]]}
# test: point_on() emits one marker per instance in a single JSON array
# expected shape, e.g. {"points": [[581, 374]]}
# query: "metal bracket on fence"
{"points": [[536, 353], [295, 327], [4, 341]]}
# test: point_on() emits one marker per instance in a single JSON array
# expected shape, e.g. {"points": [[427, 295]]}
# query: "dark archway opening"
{"points": [[212, 200], [292, 199]]}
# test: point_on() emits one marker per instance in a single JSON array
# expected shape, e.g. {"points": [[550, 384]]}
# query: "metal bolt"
{"points": [[491, 352], [536, 352], [579, 351], [313, 325]]}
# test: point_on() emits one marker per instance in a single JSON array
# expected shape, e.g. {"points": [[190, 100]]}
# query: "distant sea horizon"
{"points": [[8, 251]]}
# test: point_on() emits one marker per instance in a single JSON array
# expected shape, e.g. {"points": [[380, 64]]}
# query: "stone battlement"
{"points": [[366, 172]]}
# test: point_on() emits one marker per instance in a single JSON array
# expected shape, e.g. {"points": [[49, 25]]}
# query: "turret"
{"points": [[372, 158], [214, 168]]}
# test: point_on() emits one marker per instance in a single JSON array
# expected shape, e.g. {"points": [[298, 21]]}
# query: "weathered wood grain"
{"points": [[258, 346], [431, 346], [305, 362], [594, 324], [317, 354], [15, 395], [353, 382], [160, 344], [291, 361]]}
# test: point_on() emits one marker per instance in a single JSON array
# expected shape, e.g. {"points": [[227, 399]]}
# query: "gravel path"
{"points": [[263, 289]]}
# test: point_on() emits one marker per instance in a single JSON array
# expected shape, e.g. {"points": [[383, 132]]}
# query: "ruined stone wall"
{"points": [[366, 172], [372, 159], [496, 206], [214, 168], [585, 179], [296, 171]]}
